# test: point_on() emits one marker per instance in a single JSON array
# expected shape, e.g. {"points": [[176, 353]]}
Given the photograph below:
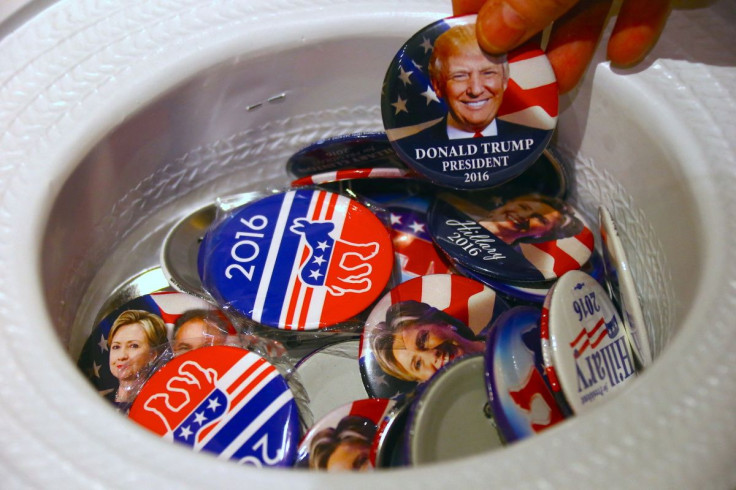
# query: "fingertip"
{"points": [[628, 47], [501, 28], [569, 67], [637, 30]]}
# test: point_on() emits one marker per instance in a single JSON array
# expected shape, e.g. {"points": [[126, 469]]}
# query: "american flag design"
{"points": [[222, 400], [523, 403], [586, 353], [94, 360], [371, 410], [300, 260], [354, 173], [415, 250], [410, 105], [555, 257], [469, 301]]}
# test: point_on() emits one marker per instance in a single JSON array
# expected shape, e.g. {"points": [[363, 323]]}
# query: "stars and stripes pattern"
{"points": [[223, 400], [416, 252], [322, 259], [531, 98], [555, 257]]}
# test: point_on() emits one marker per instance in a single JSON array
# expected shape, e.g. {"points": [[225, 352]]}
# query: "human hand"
{"points": [[504, 24]]}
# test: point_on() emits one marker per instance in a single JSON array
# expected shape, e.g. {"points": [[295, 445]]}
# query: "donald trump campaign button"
{"points": [[461, 117], [300, 260]]}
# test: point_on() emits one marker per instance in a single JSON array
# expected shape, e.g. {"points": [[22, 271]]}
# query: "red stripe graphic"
{"points": [[563, 261], [516, 99], [526, 51], [254, 383], [251, 369]]}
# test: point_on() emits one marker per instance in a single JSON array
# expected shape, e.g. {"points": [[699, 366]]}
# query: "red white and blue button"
{"points": [[301, 260], [587, 356], [222, 400], [521, 400], [462, 134], [420, 326]]}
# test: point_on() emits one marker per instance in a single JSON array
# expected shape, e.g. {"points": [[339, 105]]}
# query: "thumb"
{"points": [[504, 24]]}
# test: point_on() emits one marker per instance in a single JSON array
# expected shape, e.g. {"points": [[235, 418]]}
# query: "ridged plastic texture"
{"points": [[74, 69]]}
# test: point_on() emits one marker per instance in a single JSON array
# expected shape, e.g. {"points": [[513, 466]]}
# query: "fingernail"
{"points": [[501, 28]]}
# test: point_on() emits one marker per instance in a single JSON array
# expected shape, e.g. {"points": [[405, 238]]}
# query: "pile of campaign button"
{"points": [[467, 305]]}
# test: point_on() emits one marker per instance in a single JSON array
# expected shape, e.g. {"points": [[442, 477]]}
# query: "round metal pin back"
{"points": [[180, 251], [463, 118], [349, 151], [451, 417], [587, 356], [420, 326], [522, 402], [331, 377], [301, 260], [222, 400], [528, 239], [622, 286], [124, 346], [343, 439]]}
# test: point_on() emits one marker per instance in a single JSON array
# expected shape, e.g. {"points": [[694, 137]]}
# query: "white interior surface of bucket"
{"points": [[117, 118]]}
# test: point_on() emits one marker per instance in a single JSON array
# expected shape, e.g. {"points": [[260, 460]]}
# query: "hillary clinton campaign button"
{"points": [[522, 402], [421, 325], [450, 418], [461, 117], [357, 150], [344, 438], [622, 287], [300, 260], [587, 356], [331, 377], [129, 340], [527, 239], [222, 400]]}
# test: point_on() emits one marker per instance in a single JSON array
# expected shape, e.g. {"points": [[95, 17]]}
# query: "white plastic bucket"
{"points": [[117, 118]]}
